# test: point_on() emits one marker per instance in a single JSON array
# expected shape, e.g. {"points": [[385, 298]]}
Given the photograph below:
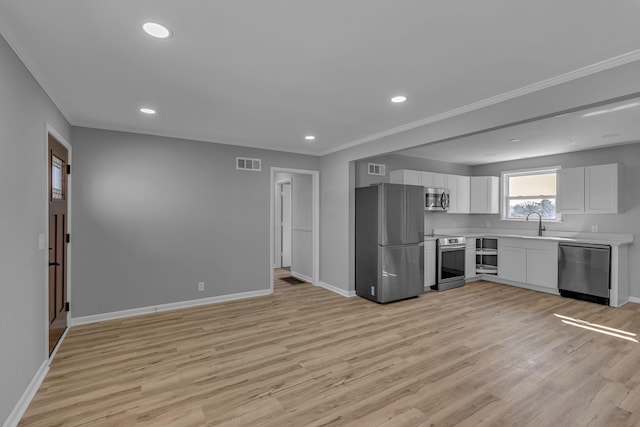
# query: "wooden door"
{"points": [[58, 184]]}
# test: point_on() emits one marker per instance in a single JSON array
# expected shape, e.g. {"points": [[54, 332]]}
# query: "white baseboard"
{"points": [[301, 276], [27, 396], [166, 307], [337, 290], [495, 279], [634, 299]]}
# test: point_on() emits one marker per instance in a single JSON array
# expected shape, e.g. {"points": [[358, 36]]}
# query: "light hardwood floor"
{"points": [[484, 354]]}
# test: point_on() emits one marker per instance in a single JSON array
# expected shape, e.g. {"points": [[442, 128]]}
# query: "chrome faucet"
{"points": [[540, 226]]}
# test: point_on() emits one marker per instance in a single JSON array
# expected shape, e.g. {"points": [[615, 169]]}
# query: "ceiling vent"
{"points": [[377, 169], [246, 164]]}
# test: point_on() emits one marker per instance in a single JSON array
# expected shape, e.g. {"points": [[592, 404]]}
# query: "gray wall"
{"points": [[627, 222], [154, 216], [24, 110]]}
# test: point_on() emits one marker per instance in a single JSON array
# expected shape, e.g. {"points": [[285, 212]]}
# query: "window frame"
{"points": [[504, 193]]}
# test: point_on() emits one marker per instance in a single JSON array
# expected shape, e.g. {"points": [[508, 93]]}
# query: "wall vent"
{"points": [[246, 164], [377, 169]]}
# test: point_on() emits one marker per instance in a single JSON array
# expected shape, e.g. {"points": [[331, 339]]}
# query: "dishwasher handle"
{"points": [[593, 246]]}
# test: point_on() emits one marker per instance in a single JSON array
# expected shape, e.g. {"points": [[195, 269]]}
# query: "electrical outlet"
{"points": [[594, 228], [488, 224], [200, 286]]}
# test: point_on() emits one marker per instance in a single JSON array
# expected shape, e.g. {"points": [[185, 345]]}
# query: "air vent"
{"points": [[377, 169], [246, 164]]}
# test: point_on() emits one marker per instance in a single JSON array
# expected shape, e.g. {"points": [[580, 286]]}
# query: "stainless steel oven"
{"points": [[450, 263]]}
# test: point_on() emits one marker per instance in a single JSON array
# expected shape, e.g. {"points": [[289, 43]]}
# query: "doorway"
{"points": [[294, 224], [58, 171]]}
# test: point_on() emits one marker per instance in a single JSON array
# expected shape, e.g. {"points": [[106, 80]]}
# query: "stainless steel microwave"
{"points": [[436, 199]]}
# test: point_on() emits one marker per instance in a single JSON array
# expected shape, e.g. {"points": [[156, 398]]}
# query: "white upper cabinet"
{"points": [[590, 189], [485, 197], [459, 194], [405, 176], [602, 188], [434, 180], [570, 190], [411, 177]]}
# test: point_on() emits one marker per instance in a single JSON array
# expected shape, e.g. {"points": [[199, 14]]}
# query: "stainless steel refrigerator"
{"points": [[389, 242]]}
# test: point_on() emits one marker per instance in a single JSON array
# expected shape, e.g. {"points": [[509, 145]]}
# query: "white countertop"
{"points": [[559, 236]]}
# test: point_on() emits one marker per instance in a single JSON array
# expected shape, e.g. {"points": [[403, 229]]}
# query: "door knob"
{"points": [[54, 263]]}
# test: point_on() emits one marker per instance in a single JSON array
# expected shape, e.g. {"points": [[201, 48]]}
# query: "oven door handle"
{"points": [[452, 248]]}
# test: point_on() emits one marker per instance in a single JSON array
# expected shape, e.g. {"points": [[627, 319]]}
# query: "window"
{"points": [[527, 191]]}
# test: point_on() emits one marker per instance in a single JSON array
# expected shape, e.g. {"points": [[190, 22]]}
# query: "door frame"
{"points": [[279, 227], [315, 220], [50, 130]]}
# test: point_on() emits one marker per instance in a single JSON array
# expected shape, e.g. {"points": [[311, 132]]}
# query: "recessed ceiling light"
{"points": [[145, 110], [611, 135], [309, 137], [514, 140], [398, 99], [156, 30]]}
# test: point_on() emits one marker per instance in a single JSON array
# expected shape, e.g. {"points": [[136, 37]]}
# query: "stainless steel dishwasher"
{"points": [[584, 271]]}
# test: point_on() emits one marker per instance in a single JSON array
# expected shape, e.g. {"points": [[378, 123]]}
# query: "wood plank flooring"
{"points": [[485, 354]]}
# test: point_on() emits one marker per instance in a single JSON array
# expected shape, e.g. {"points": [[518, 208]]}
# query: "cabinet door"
{"points": [[470, 259], [512, 263], [459, 190], [429, 263], [485, 194], [601, 188], [427, 179], [570, 190], [542, 267], [440, 180], [434, 180], [479, 190], [405, 176]]}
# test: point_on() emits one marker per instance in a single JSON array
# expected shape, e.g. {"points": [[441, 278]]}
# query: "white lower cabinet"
{"points": [[542, 266], [527, 261], [512, 262], [470, 259], [429, 263]]}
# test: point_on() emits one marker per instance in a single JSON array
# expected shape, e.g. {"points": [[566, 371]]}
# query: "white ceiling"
{"points": [[266, 73], [554, 135]]}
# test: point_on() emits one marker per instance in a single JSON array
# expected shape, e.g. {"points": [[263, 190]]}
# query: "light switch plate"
{"points": [[41, 242]]}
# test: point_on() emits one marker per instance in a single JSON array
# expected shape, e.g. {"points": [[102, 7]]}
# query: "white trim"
{"points": [[23, 403], [315, 214], [634, 299], [607, 64], [496, 279], [50, 130], [337, 290], [166, 307], [301, 277], [504, 188]]}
